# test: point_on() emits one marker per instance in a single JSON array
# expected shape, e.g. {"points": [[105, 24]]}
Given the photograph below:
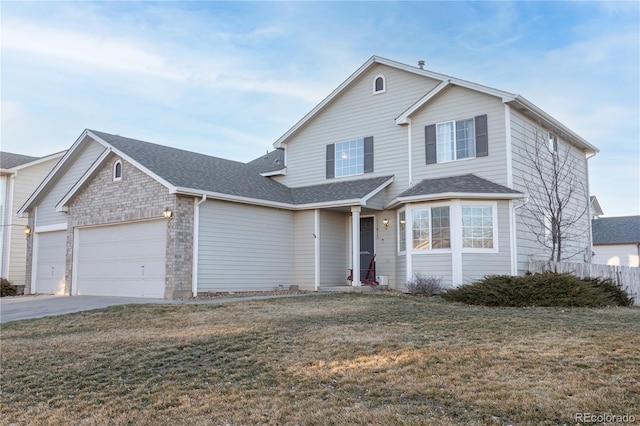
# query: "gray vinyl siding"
{"points": [[386, 246], [401, 273], [354, 114], [457, 103], [26, 181], [523, 131], [478, 265], [334, 246], [47, 214], [304, 249], [436, 265], [244, 248], [378, 201]]}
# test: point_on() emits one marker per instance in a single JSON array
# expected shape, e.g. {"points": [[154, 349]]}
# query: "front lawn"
{"points": [[377, 359]]}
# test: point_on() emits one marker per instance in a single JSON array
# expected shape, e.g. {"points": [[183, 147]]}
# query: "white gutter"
{"points": [[452, 195]]}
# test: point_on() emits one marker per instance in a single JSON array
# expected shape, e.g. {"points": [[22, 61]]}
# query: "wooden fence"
{"points": [[628, 277]]}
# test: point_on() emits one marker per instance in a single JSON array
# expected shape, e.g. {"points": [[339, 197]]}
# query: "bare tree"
{"points": [[557, 189]]}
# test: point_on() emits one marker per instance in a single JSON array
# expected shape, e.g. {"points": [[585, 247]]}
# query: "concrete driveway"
{"points": [[27, 307]]}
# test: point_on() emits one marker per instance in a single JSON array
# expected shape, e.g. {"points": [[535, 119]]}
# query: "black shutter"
{"points": [[430, 143], [482, 137], [368, 154], [331, 161]]}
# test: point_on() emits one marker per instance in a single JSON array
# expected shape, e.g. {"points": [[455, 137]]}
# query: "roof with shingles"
{"points": [[270, 162], [466, 184], [186, 169], [616, 230], [9, 160]]}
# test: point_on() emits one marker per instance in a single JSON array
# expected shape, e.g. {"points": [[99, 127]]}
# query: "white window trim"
{"points": [[402, 252], [431, 250], [455, 140], [384, 84], [335, 159], [115, 164], [494, 224]]}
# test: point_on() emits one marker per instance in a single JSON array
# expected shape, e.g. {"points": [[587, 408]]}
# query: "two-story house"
{"points": [[20, 175], [426, 172]]}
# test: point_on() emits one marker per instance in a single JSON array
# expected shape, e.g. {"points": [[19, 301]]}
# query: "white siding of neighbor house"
{"points": [[478, 265], [244, 248], [523, 133], [357, 113], [458, 103], [47, 214], [617, 255], [334, 245], [304, 249], [25, 182]]}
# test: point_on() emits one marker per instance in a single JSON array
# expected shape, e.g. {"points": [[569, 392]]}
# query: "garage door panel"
{"points": [[122, 260], [51, 262]]}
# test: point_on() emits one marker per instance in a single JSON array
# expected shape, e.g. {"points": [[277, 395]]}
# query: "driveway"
{"points": [[27, 307]]}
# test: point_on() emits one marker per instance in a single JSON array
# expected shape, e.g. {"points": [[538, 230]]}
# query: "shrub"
{"points": [[615, 291], [6, 288], [421, 285], [547, 289]]}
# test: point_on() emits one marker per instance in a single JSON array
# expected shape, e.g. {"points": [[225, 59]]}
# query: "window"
{"points": [[379, 84], [350, 158], [553, 142], [456, 140], [478, 227], [402, 231], [117, 170], [431, 228]]}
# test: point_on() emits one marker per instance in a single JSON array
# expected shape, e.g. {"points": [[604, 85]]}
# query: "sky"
{"points": [[229, 78]]}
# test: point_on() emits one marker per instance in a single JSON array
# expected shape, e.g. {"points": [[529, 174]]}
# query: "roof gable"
{"points": [[514, 100]]}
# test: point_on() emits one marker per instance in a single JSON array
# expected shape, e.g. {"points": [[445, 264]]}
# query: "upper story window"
{"points": [[117, 170], [379, 84], [456, 140], [553, 142], [350, 158]]}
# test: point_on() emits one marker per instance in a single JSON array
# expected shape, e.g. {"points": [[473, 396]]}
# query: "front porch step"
{"points": [[344, 289]]}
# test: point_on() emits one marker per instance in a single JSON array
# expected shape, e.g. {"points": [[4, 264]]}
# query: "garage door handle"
{"points": [[142, 270]]}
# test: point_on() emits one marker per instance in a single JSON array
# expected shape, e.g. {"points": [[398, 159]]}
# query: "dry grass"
{"points": [[338, 359]]}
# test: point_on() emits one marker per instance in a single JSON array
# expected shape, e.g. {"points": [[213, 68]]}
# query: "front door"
{"points": [[367, 242]]}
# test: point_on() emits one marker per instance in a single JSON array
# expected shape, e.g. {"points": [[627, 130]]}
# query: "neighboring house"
{"points": [[596, 210], [616, 240], [19, 177], [419, 169]]}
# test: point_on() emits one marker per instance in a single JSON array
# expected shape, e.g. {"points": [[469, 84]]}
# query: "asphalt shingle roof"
{"points": [[616, 230], [9, 160], [270, 162], [188, 169], [463, 184]]}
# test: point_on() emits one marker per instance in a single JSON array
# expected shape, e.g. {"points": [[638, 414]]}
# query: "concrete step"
{"points": [[349, 289]]}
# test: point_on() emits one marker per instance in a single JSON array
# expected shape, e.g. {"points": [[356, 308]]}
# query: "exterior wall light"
{"points": [[168, 214], [385, 222], [27, 231]]}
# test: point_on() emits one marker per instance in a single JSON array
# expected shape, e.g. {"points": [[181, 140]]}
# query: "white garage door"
{"points": [[50, 262], [122, 260]]}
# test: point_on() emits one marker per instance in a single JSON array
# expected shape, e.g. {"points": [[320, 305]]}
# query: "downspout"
{"points": [[196, 243], [589, 252], [514, 242], [409, 143]]}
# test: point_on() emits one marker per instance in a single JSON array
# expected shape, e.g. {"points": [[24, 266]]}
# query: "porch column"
{"points": [[355, 245]]}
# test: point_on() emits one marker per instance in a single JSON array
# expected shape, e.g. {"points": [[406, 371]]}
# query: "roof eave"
{"points": [[453, 195], [552, 122]]}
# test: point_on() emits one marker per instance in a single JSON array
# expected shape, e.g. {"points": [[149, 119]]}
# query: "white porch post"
{"points": [[355, 245]]}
